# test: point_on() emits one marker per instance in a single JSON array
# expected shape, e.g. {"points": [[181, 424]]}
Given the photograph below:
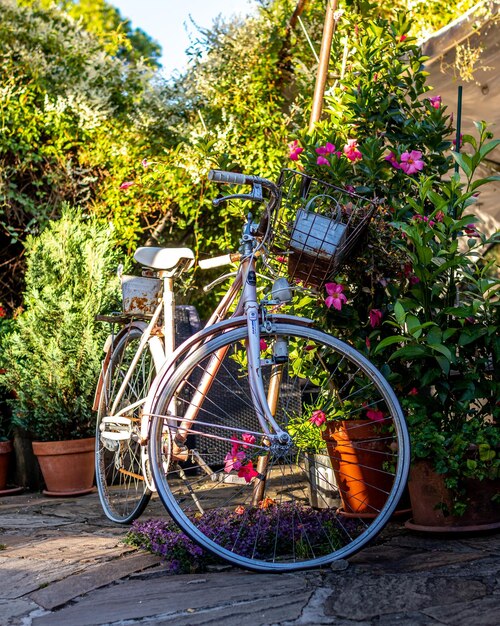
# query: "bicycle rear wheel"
{"points": [[122, 489], [280, 507]]}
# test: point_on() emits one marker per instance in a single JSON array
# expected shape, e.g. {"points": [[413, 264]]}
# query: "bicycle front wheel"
{"points": [[272, 506], [120, 482]]}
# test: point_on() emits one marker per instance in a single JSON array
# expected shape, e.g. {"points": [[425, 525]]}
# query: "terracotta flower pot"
{"points": [[432, 501], [358, 454], [5, 454], [67, 466]]}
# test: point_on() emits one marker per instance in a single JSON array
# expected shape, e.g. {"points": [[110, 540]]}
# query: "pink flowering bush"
{"points": [[417, 297]]}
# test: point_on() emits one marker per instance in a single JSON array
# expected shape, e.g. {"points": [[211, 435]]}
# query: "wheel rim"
{"points": [[278, 528], [121, 486]]}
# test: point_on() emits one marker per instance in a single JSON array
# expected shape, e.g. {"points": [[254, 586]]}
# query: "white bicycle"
{"points": [[211, 425]]}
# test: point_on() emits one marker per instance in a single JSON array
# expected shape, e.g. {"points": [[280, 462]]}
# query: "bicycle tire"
{"points": [[227, 515], [123, 492]]}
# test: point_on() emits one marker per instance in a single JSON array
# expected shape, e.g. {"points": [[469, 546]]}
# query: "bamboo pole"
{"points": [[324, 59]]}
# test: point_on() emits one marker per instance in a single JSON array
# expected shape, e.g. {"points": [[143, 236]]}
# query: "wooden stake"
{"points": [[324, 59]]}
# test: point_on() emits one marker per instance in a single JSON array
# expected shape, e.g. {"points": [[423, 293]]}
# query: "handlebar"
{"points": [[257, 183]]}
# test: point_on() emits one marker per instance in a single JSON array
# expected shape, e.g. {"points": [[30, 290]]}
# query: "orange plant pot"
{"points": [[67, 466], [358, 455]]}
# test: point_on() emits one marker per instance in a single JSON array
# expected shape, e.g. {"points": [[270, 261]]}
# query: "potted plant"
{"points": [[417, 297], [323, 490], [445, 347], [51, 356]]}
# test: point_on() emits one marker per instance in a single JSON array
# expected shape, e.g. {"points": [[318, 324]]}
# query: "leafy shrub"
{"points": [[52, 356]]}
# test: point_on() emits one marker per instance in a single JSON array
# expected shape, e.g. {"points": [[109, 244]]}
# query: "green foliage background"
{"points": [[82, 107]]}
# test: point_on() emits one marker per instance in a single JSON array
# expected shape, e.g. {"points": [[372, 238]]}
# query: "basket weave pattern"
{"points": [[317, 227]]}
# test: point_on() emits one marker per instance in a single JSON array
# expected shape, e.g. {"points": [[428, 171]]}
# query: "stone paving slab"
{"points": [[10, 610], [76, 585], [23, 576], [175, 598], [365, 597], [65, 564], [82, 548], [482, 612]]}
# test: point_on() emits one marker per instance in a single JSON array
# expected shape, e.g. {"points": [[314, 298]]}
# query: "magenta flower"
{"points": [[391, 158], [328, 148], [322, 161], [403, 37], [233, 459], [471, 231], [375, 415], [413, 392], [127, 184], [368, 343], [335, 296], [317, 418], [411, 162], [435, 102], [294, 150], [439, 216], [375, 317], [247, 472], [248, 439], [351, 150], [263, 345], [145, 163], [281, 259]]}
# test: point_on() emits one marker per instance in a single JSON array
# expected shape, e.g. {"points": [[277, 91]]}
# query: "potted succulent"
{"points": [[51, 357]]}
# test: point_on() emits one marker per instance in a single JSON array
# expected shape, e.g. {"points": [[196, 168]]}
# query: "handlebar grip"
{"points": [[220, 176], [217, 261]]}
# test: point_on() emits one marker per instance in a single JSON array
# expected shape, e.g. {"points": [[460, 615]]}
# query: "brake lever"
{"points": [[255, 196]]}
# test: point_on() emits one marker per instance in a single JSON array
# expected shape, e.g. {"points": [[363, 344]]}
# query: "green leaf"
{"points": [[389, 341], [413, 325], [410, 352], [399, 313]]}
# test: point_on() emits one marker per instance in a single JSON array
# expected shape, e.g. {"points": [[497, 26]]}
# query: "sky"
{"points": [[168, 22]]}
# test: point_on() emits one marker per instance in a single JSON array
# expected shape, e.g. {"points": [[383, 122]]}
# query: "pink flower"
{"points": [[375, 415], [328, 148], [247, 472], [413, 392], [351, 151], [411, 162], [439, 216], [127, 184], [145, 163], [317, 418], [239, 510], [368, 343], [435, 102], [233, 459], [3, 312], [281, 259], [403, 37], [471, 230], [322, 161], [335, 296], [294, 150], [248, 439], [263, 345], [391, 157], [414, 280], [375, 317]]}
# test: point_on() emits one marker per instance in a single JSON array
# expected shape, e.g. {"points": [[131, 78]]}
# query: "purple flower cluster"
{"points": [[266, 532]]}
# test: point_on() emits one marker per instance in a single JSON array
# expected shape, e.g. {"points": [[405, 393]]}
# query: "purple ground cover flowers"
{"points": [[268, 531]]}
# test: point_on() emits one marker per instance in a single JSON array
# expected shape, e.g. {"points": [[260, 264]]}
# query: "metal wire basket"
{"points": [[317, 227]]}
